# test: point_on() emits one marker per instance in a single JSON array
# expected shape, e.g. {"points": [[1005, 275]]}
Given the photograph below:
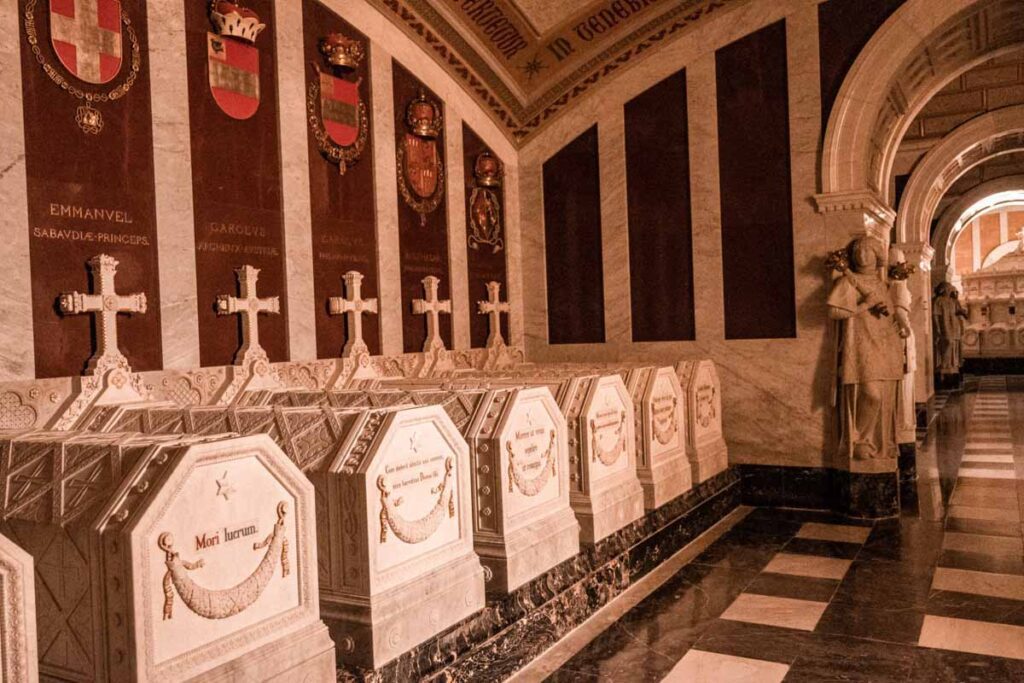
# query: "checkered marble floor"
{"points": [[786, 595]]}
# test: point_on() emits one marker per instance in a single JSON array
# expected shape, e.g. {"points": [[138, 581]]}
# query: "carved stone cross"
{"points": [[493, 308], [106, 303], [431, 307], [249, 306], [353, 306]]}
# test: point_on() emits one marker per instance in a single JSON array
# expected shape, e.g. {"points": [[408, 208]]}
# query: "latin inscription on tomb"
{"points": [[531, 455], [221, 556], [416, 498]]}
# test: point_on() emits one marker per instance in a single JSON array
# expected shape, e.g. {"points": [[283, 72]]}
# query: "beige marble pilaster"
{"points": [[809, 241], [17, 355], [611, 136], [920, 254], [298, 222], [172, 170], [705, 197], [514, 254], [386, 184], [534, 264], [458, 265]]}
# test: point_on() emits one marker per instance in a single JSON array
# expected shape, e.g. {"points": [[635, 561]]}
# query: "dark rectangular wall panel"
{"points": [[422, 236], [757, 216], [572, 243], [660, 235], [236, 178], [343, 207], [486, 245], [90, 179], [844, 28]]}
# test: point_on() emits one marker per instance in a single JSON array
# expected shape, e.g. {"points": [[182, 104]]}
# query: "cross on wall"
{"points": [[432, 308], [353, 306], [249, 306], [493, 308], [105, 303]]}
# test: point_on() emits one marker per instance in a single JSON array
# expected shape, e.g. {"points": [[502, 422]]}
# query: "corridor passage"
{"points": [[786, 595]]}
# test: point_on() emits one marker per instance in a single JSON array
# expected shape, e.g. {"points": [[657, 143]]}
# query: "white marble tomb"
{"points": [[523, 523], [167, 558], [394, 513], [706, 446]]}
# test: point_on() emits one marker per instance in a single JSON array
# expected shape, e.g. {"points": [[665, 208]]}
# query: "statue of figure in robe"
{"points": [[948, 326], [873, 324]]}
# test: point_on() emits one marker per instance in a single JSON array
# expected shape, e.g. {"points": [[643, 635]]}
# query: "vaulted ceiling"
{"points": [[526, 60]]}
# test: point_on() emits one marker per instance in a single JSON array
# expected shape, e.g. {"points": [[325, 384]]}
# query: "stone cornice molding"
{"points": [[865, 201]]}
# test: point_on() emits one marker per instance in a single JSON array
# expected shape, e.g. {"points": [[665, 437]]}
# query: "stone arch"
{"points": [[893, 78], [998, 132], [944, 236]]}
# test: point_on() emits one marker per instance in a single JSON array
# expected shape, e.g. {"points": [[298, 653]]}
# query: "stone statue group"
{"points": [[948, 320], [874, 352]]}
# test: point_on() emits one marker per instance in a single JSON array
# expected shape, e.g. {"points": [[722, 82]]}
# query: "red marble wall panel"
{"points": [[90, 180], [236, 178], [572, 243], [658, 198], [487, 247], [423, 238], [343, 207], [844, 28], [756, 195]]}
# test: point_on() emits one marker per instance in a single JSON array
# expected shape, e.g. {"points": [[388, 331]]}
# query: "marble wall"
{"points": [[775, 391], [178, 306]]}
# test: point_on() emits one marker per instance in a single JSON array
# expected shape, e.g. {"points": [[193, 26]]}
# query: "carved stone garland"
{"points": [[665, 432], [88, 118], [608, 456], [227, 602], [531, 487], [419, 530]]}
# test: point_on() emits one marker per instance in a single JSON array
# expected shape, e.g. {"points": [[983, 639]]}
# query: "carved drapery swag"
{"points": [[608, 456], [419, 530], [664, 430], [531, 487], [227, 602]]}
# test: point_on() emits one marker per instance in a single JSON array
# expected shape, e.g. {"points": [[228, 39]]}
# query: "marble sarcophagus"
{"points": [[394, 513], [167, 558]]}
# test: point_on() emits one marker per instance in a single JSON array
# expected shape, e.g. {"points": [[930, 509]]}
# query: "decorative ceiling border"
{"points": [[521, 120]]}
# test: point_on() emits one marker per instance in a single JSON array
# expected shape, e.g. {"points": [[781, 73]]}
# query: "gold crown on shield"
{"points": [[488, 170], [230, 19], [342, 51], [424, 117]]}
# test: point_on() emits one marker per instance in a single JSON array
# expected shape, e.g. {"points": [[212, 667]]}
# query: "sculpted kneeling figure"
{"points": [[873, 317]]}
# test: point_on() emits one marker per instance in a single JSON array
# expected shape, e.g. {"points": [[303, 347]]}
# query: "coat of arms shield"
{"points": [[86, 35], [339, 106], [234, 75], [422, 165]]}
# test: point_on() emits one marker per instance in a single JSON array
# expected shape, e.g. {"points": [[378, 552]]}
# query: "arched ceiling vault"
{"points": [[527, 60], [982, 138], [862, 138], [944, 234]]}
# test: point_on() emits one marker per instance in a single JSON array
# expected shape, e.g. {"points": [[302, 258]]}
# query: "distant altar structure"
{"points": [[994, 297]]}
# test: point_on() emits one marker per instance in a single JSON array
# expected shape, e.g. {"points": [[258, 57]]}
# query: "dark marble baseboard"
{"points": [[993, 366], [512, 631], [816, 488]]}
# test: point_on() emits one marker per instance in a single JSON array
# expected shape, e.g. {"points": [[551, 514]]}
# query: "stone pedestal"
{"points": [[19, 656], [168, 558], [706, 447]]}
